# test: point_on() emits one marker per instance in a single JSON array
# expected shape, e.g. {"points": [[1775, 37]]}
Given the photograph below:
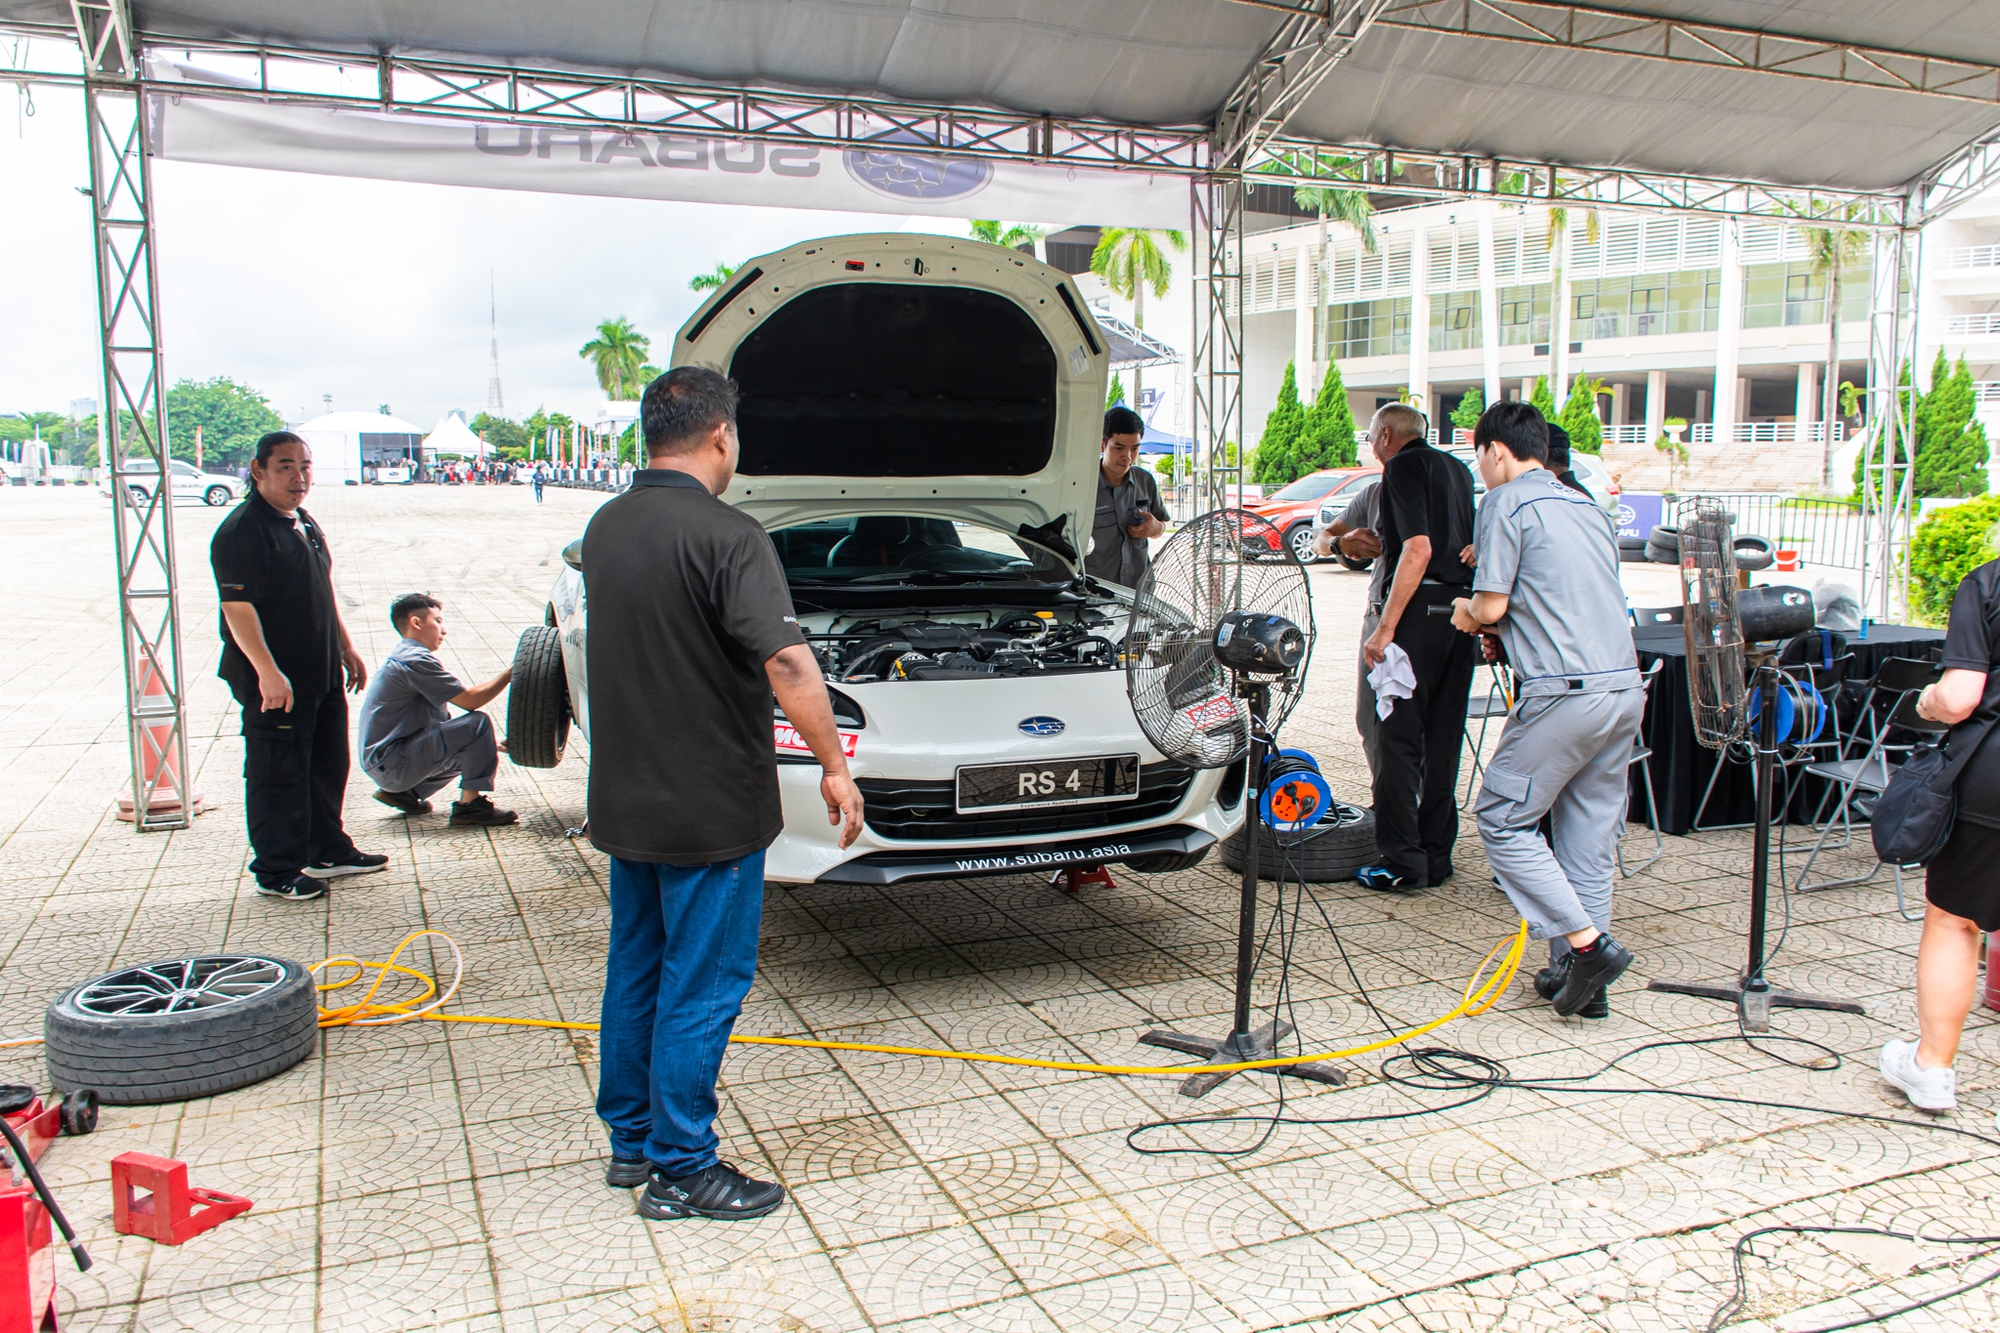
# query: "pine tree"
{"points": [[1951, 446], [1905, 390], [1579, 416], [1116, 396], [1328, 438], [1544, 399], [1470, 408], [1277, 458]]}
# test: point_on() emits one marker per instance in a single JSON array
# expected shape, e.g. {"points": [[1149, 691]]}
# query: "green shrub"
{"points": [[1948, 545]]}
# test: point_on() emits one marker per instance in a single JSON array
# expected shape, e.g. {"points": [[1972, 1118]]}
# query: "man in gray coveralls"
{"points": [[1546, 585]]}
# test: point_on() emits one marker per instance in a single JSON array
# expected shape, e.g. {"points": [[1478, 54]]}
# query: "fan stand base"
{"points": [[1754, 1000], [1235, 1049]]}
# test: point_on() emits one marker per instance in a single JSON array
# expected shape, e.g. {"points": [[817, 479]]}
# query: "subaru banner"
{"points": [[1638, 515]]}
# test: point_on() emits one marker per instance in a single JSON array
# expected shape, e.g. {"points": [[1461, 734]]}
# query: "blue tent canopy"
{"points": [[1160, 442]]}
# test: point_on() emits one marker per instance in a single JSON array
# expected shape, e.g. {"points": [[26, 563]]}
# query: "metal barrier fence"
{"points": [[1827, 534]]}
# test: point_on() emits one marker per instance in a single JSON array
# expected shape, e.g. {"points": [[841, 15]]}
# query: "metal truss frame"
{"points": [[1216, 375], [1889, 451], [1968, 172], [1304, 50], [1677, 41], [134, 414]]}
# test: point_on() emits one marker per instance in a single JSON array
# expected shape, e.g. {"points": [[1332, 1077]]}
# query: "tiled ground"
{"points": [[434, 1177]]}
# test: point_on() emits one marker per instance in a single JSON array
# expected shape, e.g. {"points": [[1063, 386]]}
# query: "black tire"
{"points": [[1630, 557], [1358, 566], [1165, 863], [1299, 537], [1631, 543], [549, 615], [215, 496], [1663, 555], [1669, 538], [1328, 852], [538, 700], [130, 1059], [1754, 553]]}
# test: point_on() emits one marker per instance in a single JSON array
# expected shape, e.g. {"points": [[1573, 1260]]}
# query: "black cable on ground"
{"points": [[1446, 1069]]}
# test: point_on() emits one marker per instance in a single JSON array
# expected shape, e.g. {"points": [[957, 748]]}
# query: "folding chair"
{"points": [[1497, 702], [1643, 616], [1641, 753], [1869, 775]]}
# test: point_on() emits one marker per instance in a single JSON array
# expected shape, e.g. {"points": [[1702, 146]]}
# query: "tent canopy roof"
{"points": [[1175, 62]]}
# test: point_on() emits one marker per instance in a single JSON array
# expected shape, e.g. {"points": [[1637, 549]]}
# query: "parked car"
{"points": [[974, 671], [1292, 509], [190, 483]]}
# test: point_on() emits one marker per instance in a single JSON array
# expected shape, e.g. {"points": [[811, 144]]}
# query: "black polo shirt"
{"points": [[687, 601], [1427, 493], [285, 570], [1972, 643]]}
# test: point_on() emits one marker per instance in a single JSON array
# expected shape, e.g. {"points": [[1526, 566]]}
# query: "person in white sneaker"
{"points": [[1961, 891]]}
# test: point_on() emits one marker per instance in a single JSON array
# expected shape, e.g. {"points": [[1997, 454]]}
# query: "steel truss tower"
{"points": [[134, 412]]}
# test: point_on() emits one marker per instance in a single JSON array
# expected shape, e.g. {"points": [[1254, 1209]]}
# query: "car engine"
{"points": [[1016, 643]]}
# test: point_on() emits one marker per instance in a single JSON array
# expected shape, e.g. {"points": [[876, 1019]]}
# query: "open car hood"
{"points": [[910, 374]]}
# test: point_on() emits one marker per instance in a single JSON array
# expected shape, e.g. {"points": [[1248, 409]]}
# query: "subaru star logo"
{"points": [[915, 175], [1041, 726]]}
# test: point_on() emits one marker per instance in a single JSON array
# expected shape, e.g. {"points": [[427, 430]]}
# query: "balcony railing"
{"points": [[1971, 326], [1986, 391], [1770, 432], [1972, 256]]}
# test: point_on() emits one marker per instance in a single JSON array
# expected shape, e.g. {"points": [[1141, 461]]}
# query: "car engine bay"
{"points": [[1005, 642]]}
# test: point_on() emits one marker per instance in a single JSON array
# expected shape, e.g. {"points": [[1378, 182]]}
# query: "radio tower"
{"points": [[496, 402]]}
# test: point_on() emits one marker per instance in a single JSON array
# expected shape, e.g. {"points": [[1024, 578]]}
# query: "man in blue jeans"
{"points": [[691, 634]]}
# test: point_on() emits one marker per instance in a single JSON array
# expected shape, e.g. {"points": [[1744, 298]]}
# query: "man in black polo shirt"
{"points": [[1426, 523], [691, 633], [284, 652]]}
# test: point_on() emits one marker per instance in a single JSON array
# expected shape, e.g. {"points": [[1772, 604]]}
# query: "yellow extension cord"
{"points": [[1482, 992]]}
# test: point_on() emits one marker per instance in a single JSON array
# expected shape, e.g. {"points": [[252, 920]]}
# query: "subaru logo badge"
{"points": [[1041, 726]]}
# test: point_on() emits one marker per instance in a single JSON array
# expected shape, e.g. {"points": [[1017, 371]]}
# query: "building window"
{"points": [[1586, 306], [1460, 318]]}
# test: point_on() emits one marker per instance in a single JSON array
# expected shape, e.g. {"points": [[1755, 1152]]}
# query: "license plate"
{"points": [[1085, 781]]}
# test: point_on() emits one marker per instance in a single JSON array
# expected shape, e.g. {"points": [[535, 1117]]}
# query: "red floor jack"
{"points": [[27, 1260], [1072, 878]]}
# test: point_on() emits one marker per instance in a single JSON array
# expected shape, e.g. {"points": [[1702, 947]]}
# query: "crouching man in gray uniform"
{"points": [[410, 744], [1546, 585]]}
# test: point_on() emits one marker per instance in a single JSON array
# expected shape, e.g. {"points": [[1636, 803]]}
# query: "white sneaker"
{"points": [[1927, 1089]]}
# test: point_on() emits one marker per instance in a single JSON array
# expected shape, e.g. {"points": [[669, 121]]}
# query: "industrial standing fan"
{"points": [[1215, 659], [1723, 627]]}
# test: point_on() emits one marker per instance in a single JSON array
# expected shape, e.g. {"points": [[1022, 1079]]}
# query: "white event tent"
{"points": [[452, 436], [345, 442]]}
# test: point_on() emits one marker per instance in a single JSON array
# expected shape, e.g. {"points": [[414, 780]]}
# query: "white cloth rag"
{"points": [[1392, 678]]}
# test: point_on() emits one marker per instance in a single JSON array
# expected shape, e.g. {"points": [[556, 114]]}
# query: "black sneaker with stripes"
{"points": [[720, 1192]]}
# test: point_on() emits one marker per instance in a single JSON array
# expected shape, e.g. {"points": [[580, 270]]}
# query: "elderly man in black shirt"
{"points": [[691, 634], [284, 653], [1426, 524]]}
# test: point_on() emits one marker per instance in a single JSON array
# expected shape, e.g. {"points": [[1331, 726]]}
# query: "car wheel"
{"points": [[1358, 566], [1165, 863], [138, 494], [538, 700], [185, 1028], [1300, 538], [216, 495], [1333, 849]]}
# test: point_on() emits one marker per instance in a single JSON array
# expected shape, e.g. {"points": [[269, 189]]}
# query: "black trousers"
{"points": [[294, 781], [1417, 746]]}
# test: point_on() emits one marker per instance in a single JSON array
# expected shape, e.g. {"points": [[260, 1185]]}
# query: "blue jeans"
{"points": [[682, 956]]}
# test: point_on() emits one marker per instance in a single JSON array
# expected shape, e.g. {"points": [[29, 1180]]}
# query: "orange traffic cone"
{"points": [[156, 757]]}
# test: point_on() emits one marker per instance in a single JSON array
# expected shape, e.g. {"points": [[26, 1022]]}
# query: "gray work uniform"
{"points": [[410, 742], [1580, 700], [1115, 555], [1359, 514]]}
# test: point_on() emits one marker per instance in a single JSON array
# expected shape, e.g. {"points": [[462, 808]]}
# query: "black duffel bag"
{"points": [[1912, 820]]}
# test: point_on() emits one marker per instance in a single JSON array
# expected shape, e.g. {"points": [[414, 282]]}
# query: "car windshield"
{"points": [[1307, 488], [904, 549]]}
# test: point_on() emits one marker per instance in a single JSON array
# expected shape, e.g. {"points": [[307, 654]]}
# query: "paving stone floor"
{"points": [[447, 1177]]}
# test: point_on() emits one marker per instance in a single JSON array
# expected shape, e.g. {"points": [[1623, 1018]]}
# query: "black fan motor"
{"points": [[1254, 641]]}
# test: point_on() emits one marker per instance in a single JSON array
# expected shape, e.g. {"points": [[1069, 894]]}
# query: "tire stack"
{"points": [[1330, 851]]}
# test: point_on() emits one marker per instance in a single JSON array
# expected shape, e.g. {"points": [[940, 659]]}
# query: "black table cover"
{"points": [[1681, 765]]}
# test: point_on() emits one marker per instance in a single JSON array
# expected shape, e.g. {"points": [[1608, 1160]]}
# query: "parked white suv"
{"points": [[920, 424], [191, 484]]}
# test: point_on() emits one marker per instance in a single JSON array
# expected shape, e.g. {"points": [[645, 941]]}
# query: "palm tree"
{"points": [[712, 280], [617, 354], [1334, 203], [1832, 249], [1556, 243], [1130, 261], [1011, 235]]}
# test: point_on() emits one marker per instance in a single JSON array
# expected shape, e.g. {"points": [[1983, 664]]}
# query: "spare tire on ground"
{"points": [[538, 700], [1331, 850], [183, 1028]]}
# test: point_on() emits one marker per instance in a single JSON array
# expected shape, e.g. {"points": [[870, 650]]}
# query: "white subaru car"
{"points": [[920, 424]]}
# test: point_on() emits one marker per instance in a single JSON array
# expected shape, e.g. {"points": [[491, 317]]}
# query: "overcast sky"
{"points": [[371, 291]]}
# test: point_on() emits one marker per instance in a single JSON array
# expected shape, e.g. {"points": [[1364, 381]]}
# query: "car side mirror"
{"points": [[573, 555]]}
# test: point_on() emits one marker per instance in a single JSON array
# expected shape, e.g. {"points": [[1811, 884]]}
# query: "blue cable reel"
{"points": [[1293, 796], [1801, 712]]}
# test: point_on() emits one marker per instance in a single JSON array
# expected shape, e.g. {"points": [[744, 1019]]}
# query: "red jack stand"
{"points": [[165, 1214], [27, 1264], [1072, 878]]}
